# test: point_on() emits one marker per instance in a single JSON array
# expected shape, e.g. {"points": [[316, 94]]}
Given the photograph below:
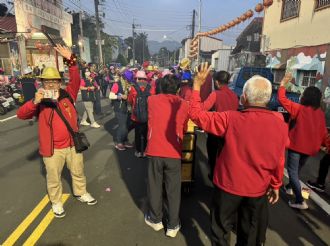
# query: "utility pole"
{"points": [[199, 29], [98, 32], [81, 36], [133, 43], [193, 24]]}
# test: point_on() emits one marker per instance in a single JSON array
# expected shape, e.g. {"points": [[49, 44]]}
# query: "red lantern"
{"points": [[243, 17], [38, 45], [268, 3], [232, 23], [249, 13], [259, 7], [237, 21]]}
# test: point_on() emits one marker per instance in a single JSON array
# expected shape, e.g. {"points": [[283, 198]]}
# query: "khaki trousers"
{"points": [[54, 166]]}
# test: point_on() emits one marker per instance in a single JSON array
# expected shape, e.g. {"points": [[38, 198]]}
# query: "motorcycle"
{"points": [[7, 102], [15, 89]]}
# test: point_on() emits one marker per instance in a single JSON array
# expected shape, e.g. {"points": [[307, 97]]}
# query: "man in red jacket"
{"points": [[220, 100], [251, 163], [56, 143], [165, 134]]}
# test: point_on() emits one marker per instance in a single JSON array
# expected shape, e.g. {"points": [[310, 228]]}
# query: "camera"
{"points": [[51, 94]]}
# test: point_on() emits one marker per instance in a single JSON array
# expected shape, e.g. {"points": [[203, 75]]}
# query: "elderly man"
{"points": [[56, 142], [251, 163]]}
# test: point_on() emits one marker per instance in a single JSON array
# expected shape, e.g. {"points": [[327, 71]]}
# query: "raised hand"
{"points": [[64, 51], [287, 78], [201, 76]]}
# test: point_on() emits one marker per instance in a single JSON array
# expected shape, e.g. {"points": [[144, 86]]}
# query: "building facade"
{"points": [[33, 17], [296, 39]]}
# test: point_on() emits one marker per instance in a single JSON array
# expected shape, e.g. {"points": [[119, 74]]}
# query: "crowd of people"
{"points": [[246, 142]]}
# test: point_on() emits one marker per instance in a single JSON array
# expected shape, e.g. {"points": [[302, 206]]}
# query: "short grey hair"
{"points": [[257, 90]]}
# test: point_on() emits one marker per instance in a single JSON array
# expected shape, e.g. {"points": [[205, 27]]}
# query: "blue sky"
{"points": [[169, 17]]}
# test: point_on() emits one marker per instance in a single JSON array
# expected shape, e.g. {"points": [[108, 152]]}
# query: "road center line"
{"points": [[26, 222], [9, 118], [36, 234]]}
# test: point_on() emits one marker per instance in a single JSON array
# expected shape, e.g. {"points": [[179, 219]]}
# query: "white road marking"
{"points": [[314, 196], [9, 118]]}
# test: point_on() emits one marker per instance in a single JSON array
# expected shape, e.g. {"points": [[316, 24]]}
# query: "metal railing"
{"points": [[322, 4]]}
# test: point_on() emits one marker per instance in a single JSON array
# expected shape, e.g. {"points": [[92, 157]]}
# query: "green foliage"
{"points": [[89, 29], [122, 60], [141, 47]]}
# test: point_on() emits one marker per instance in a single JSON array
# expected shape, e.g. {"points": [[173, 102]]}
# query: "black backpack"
{"points": [[141, 106]]}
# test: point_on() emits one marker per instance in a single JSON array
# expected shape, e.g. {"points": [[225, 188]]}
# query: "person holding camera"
{"points": [[54, 108]]}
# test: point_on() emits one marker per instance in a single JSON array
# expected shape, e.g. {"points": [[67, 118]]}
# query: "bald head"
{"points": [[257, 91]]}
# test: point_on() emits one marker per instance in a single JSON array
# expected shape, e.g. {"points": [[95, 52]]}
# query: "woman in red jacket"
{"points": [[307, 133], [139, 90]]}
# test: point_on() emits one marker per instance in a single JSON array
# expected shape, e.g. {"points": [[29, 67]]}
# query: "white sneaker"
{"points": [[155, 226], [302, 205], [84, 123], [87, 198], [95, 125], [58, 210], [173, 232]]}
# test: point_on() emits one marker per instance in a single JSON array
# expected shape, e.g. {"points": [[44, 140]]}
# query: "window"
{"points": [[290, 9], [256, 37], [216, 63], [278, 75], [308, 78], [320, 4]]}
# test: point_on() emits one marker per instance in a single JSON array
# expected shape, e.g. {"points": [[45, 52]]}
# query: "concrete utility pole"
{"points": [[133, 43], [199, 30], [98, 32], [193, 24], [81, 36]]}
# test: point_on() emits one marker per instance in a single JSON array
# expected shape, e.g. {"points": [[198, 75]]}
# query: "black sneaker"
{"points": [[316, 186]]}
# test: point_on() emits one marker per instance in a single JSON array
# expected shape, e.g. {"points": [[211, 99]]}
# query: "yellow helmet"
{"points": [[185, 63], [50, 73], [150, 68]]}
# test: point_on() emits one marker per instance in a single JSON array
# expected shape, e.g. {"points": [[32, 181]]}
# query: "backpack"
{"points": [[141, 106]]}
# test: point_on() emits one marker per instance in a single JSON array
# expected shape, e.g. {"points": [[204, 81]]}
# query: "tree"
{"points": [[109, 44], [122, 60], [4, 10], [141, 47], [89, 28]]}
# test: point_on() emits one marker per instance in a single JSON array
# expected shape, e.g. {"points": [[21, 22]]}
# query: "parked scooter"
{"points": [[15, 89], [6, 100]]}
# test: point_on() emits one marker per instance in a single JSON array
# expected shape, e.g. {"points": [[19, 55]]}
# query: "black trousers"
{"points": [[141, 131], [324, 169], [248, 211], [97, 103], [104, 88], [214, 146], [167, 171]]}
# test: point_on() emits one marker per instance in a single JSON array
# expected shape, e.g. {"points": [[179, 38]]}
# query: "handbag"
{"points": [[80, 140]]}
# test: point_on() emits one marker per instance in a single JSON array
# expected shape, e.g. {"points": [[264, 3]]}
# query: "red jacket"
{"points": [[165, 129], [309, 131], [52, 130], [222, 100], [252, 158], [132, 98]]}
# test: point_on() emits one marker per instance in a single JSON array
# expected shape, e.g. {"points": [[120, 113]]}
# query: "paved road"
{"points": [[118, 218]]}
